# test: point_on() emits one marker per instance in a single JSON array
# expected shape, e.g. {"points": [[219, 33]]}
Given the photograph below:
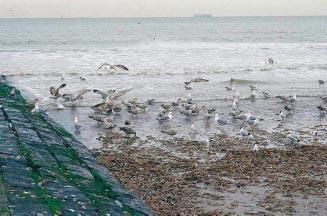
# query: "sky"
{"points": [[159, 8]]}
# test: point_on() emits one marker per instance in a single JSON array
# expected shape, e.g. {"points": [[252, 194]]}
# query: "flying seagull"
{"points": [[109, 67], [55, 92]]}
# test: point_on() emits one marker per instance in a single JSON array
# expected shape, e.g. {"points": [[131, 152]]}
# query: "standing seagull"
{"points": [[109, 67]]}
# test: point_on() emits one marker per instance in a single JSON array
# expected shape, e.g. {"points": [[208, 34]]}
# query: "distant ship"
{"points": [[202, 15]]}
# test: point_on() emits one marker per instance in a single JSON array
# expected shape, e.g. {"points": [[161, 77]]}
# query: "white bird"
{"points": [[237, 94], [244, 132], [220, 120], [315, 135], [252, 120], [293, 138], [283, 115], [77, 126], [110, 67], [266, 94], [235, 102], [292, 99], [255, 148]]}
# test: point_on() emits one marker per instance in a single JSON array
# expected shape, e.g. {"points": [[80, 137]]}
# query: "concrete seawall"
{"points": [[44, 170]]}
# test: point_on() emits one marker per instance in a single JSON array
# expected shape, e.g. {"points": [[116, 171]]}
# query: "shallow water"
{"points": [[161, 55]]}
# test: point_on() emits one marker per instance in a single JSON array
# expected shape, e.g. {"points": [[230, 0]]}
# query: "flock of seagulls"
{"points": [[112, 104]]}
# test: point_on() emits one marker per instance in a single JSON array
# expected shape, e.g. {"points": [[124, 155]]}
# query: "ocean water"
{"points": [[162, 53]]}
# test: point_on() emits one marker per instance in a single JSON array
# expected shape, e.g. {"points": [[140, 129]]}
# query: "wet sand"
{"points": [[178, 176]]}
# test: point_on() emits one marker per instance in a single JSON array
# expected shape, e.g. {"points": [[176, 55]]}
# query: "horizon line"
{"points": [[145, 17]]}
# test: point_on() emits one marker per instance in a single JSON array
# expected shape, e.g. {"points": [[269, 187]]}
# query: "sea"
{"points": [[163, 53]]}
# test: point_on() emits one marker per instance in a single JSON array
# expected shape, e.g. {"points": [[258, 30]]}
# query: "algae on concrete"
{"points": [[46, 171]]}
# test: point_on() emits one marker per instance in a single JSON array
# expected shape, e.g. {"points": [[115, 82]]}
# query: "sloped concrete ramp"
{"points": [[44, 170]]}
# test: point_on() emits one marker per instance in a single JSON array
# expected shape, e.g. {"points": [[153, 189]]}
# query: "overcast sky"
{"points": [[159, 8]]}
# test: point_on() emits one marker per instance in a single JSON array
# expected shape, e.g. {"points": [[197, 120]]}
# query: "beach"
{"points": [[261, 151]]}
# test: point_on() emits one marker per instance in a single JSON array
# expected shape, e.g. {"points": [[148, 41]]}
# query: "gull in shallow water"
{"points": [[266, 94], [161, 118], [292, 99], [293, 138], [55, 92], [324, 99], [77, 126], [244, 132], [271, 61], [323, 110], [255, 148], [220, 120], [110, 67]]}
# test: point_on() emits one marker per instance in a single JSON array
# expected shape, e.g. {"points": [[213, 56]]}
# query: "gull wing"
{"points": [[104, 64], [121, 67], [103, 95]]}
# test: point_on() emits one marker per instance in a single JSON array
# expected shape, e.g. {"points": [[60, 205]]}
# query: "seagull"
{"points": [[161, 118], [104, 95], [77, 126], [193, 129], [220, 120], [237, 94], [55, 92], [244, 132], [235, 102], [283, 98], [315, 135], [128, 131], [103, 107], [266, 94], [323, 110], [324, 98], [253, 120], [255, 148], [209, 112], [252, 87], [253, 95], [142, 106], [232, 88], [288, 108], [99, 119], [117, 94], [188, 87], [170, 132], [198, 80], [271, 61], [109, 67], [166, 107], [292, 99], [151, 102], [3, 79], [117, 109], [293, 138], [283, 114], [75, 99], [108, 124], [12, 92]]}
